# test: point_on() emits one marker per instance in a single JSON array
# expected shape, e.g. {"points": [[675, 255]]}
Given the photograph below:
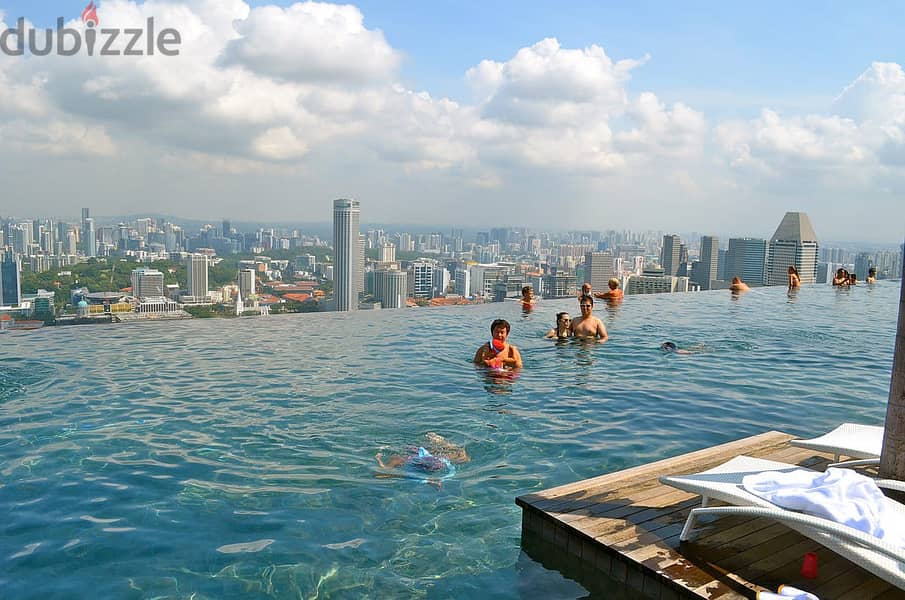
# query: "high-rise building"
{"points": [[386, 253], [147, 283], [346, 281], [423, 279], [360, 265], [598, 269], [864, 261], [746, 258], [89, 238], [390, 287], [196, 267], [10, 281], [670, 255], [709, 261], [247, 283], [463, 281], [793, 244]]}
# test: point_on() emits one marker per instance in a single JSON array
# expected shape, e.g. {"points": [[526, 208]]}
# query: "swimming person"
{"points": [[841, 278], [497, 353], [871, 275], [588, 326], [671, 347], [528, 300], [614, 293], [438, 450], [563, 328], [738, 285], [794, 279], [586, 289]]}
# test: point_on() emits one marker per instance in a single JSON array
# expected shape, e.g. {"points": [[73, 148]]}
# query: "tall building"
{"points": [[463, 281], [360, 265], [89, 238], [247, 283], [598, 269], [196, 275], [10, 282], [709, 261], [864, 261], [386, 253], [746, 258], [346, 280], [147, 283], [670, 255], [794, 243], [390, 287], [423, 279]]}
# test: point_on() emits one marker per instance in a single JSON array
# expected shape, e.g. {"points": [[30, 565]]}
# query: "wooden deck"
{"points": [[622, 529]]}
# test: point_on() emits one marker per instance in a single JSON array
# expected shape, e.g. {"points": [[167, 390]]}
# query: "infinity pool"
{"points": [[235, 458]]}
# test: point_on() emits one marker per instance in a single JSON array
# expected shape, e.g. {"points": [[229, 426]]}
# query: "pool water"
{"points": [[236, 458]]}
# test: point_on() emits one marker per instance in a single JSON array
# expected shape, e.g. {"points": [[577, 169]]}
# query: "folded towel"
{"points": [[840, 495], [785, 593]]}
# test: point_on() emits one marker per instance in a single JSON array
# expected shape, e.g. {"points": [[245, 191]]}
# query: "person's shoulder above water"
{"points": [[497, 353], [738, 285], [563, 328]]}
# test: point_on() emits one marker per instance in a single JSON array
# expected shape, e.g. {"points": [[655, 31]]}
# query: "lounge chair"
{"points": [[724, 483], [860, 442]]}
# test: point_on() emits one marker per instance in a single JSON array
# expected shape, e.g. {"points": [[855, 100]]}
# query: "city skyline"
{"points": [[666, 119]]}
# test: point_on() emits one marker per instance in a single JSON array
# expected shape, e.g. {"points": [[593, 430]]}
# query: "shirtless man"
{"points": [[497, 353], [588, 326], [585, 289], [614, 292], [738, 285], [528, 300]]}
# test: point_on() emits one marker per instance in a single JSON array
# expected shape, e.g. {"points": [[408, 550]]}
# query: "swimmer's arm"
{"points": [[551, 334], [601, 331], [514, 361], [479, 355]]}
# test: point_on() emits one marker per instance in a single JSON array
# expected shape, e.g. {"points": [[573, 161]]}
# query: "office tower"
{"points": [[85, 214], [390, 287], [441, 281], [746, 258], [346, 215], [598, 269], [794, 243], [721, 265], [360, 266], [709, 261], [423, 279], [10, 282], [196, 267], [247, 283], [463, 281], [89, 239], [863, 263], [147, 283], [227, 228], [71, 243], [670, 255], [638, 265], [386, 253]]}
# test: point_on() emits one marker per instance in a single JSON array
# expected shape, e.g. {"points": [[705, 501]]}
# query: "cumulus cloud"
{"points": [[312, 41]]}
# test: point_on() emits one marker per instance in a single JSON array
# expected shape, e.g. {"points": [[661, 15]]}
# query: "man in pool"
{"points": [[614, 293], [588, 326], [586, 289], [671, 347], [528, 300], [498, 353]]}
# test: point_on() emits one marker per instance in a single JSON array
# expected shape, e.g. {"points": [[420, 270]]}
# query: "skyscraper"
{"points": [[196, 275], [89, 238], [10, 283], [147, 283], [390, 287], [746, 258], [386, 253], [598, 269], [670, 255], [793, 244], [709, 259], [247, 283], [346, 280]]}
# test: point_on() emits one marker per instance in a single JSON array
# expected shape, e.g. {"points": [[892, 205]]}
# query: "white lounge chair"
{"points": [[724, 483], [860, 442]]}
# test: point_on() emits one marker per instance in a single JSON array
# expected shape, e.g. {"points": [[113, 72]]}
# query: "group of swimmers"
{"points": [[844, 278]]}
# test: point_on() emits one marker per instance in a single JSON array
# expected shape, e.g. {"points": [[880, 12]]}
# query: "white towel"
{"points": [[840, 495]]}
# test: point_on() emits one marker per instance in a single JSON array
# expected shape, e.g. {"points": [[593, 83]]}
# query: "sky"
{"points": [[686, 117]]}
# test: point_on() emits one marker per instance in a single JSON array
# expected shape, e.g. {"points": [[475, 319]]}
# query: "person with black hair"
{"points": [[498, 353]]}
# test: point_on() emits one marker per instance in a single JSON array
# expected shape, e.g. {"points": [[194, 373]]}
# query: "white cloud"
{"points": [[312, 41]]}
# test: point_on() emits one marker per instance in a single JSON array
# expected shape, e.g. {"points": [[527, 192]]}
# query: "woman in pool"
{"points": [[563, 327], [841, 278], [794, 279]]}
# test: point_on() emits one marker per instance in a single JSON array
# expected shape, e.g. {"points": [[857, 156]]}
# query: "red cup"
{"points": [[809, 566]]}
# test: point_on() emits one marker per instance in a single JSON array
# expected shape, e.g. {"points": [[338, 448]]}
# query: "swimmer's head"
{"points": [[669, 347], [586, 289], [527, 291], [872, 272], [563, 318], [500, 324], [613, 283], [736, 279], [793, 270]]}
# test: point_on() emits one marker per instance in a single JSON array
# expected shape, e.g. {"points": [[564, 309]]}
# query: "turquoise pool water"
{"points": [[235, 458]]}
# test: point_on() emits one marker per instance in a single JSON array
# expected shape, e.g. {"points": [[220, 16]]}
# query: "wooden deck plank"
{"points": [[626, 526]]}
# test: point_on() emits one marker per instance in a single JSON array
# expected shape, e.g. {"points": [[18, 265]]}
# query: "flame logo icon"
{"points": [[89, 15]]}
